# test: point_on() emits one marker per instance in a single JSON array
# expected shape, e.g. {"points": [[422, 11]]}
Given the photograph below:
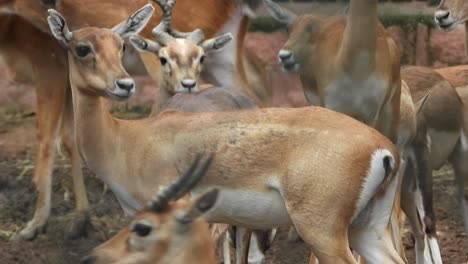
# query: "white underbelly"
{"points": [[249, 208]]}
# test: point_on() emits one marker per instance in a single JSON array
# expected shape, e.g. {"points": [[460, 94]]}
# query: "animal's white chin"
{"points": [[449, 25], [182, 89], [119, 94]]}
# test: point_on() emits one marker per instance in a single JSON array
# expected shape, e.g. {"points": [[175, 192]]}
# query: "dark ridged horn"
{"points": [[182, 185]]}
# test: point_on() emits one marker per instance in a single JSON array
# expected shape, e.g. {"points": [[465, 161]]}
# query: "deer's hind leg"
{"points": [[51, 83]]}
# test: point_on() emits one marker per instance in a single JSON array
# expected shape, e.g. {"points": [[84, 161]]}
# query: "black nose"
{"points": [[125, 84], [188, 84], [90, 259], [284, 55], [442, 15]]}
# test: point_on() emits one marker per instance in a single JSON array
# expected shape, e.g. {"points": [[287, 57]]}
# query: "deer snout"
{"points": [[90, 259], [284, 55], [188, 84], [441, 15], [126, 84]]}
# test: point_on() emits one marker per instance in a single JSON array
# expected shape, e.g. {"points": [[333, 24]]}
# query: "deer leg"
{"points": [[243, 236], [260, 242], [426, 211], [409, 200], [458, 160], [50, 104], [328, 244], [81, 220]]}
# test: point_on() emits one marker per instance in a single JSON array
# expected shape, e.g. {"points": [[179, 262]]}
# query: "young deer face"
{"points": [[181, 55], [96, 54], [302, 30], [451, 13], [160, 237], [167, 232]]}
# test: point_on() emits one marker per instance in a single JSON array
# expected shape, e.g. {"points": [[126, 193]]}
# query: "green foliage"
{"points": [[407, 21]]}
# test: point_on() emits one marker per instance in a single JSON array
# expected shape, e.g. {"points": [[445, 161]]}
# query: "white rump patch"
{"points": [[375, 176]]}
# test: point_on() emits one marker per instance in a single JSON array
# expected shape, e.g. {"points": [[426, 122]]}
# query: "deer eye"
{"points": [[83, 50], [202, 59], [141, 229], [124, 47], [163, 61]]}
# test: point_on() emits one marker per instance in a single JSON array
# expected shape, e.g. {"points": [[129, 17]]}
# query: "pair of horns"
{"points": [[165, 33], [182, 185]]}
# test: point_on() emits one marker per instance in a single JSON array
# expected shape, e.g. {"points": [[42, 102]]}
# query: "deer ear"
{"points": [[58, 27], [201, 205], [216, 43], [135, 23], [279, 13], [142, 44]]}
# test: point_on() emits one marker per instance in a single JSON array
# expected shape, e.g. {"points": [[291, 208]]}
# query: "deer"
{"points": [[295, 184], [182, 55], [168, 229], [52, 75], [450, 14], [457, 77], [350, 70], [237, 67], [54, 118], [439, 119]]}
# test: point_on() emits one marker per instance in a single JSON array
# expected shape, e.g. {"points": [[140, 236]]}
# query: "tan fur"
{"points": [[336, 56], [20, 48], [442, 110], [186, 17], [330, 49], [116, 149], [458, 77], [175, 243], [439, 121], [210, 100], [45, 67], [458, 14]]}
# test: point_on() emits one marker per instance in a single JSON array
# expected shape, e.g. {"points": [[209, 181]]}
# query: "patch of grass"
{"points": [[125, 111]]}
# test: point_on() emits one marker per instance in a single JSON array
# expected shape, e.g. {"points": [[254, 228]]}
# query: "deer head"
{"points": [[167, 231], [451, 13], [302, 39], [95, 54], [181, 53]]}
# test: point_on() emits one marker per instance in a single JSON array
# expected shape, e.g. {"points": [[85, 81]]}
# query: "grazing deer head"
{"points": [[167, 231], [96, 54], [181, 54]]}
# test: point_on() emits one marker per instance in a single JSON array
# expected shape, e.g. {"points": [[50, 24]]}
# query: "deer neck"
{"points": [[163, 98], [360, 36], [95, 128]]}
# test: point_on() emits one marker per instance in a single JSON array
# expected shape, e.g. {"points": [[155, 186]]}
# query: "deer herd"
{"points": [[342, 173]]}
